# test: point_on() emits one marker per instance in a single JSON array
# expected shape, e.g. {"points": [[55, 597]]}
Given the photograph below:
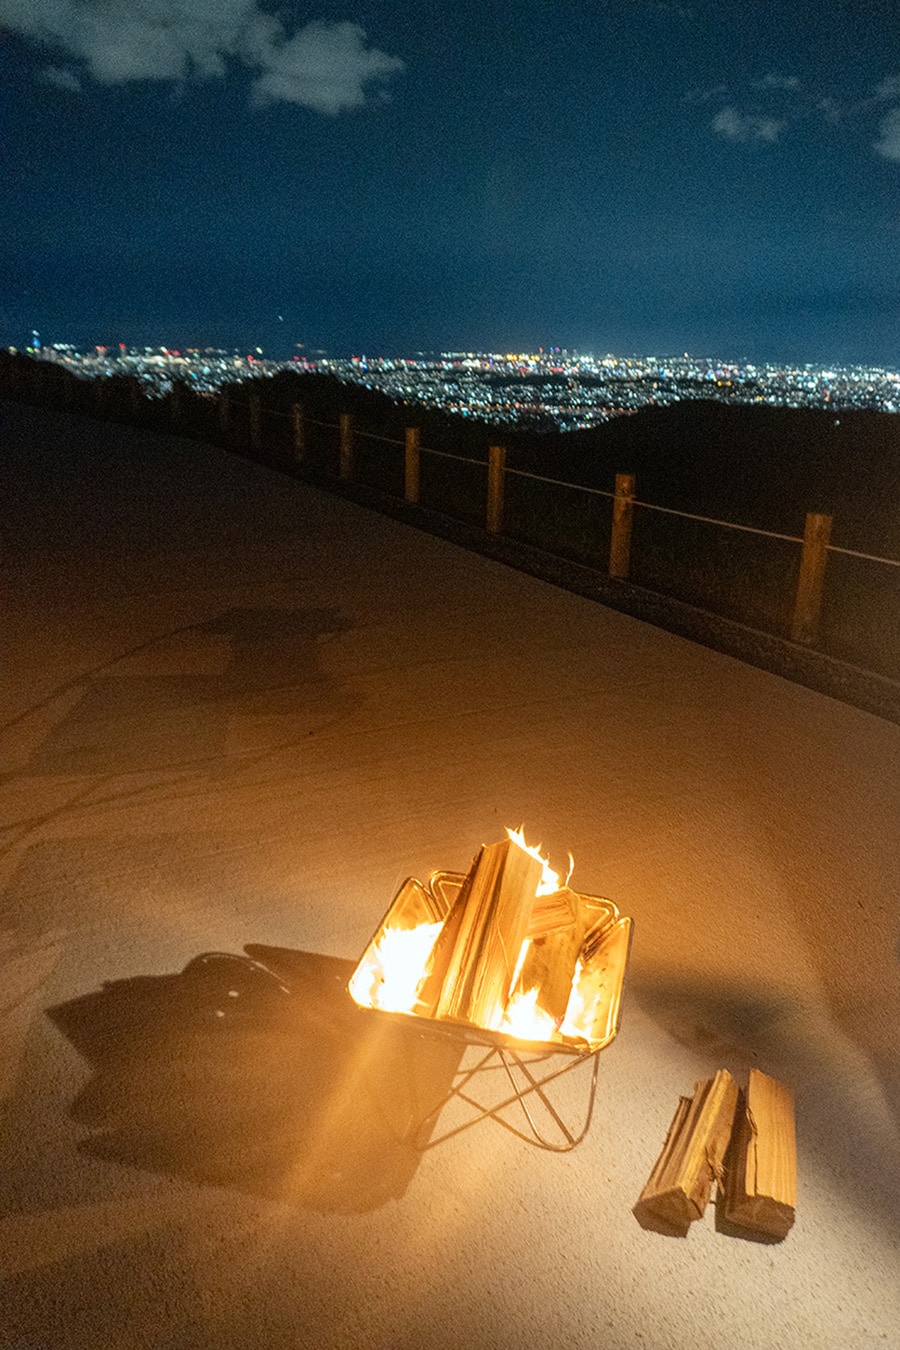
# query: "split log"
{"points": [[549, 966], [594, 937], [552, 912], [592, 1013], [678, 1188], [476, 954], [761, 1172], [442, 953]]}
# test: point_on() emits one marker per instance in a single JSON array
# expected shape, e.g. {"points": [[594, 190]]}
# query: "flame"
{"points": [[524, 1019], [549, 881], [520, 961], [582, 1006], [392, 974]]}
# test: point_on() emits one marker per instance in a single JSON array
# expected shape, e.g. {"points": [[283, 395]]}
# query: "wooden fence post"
{"points": [[224, 410], [808, 604], [298, 423], [255, 422], [412, 465], [495, 485], [346, 463], [623, 514]]}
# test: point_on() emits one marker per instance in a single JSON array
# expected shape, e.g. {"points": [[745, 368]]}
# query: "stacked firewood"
{"points": [[741, 1140], [478, 960]]}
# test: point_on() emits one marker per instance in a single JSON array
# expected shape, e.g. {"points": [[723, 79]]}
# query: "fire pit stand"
{"points": [[526, 1067]]}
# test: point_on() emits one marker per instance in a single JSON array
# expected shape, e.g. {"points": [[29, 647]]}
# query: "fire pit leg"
{"points": [[537, 1086], [520, 1093], [465, 1076]]}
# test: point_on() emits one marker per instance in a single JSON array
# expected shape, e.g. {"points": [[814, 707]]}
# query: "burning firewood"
{"points": [[476, 955], [504, 949], [678, 1188], [761, 1176], [549, 913], [548, 964]]}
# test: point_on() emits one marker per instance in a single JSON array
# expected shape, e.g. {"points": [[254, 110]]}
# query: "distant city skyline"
{"points": [[554, 389], [638, 176], [36, 343]]}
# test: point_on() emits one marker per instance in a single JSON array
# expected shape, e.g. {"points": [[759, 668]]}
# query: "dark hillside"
{"points": [[756, 465], [325, 396]]}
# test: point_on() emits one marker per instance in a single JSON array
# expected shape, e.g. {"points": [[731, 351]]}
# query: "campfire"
{"points": [[508, 951]]}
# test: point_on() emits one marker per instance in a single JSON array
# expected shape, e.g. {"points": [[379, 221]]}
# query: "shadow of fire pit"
{"points": [[258, 1072]]}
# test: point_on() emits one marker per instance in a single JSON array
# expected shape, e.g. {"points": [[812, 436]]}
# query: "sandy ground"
{"points": [[237, 711]]}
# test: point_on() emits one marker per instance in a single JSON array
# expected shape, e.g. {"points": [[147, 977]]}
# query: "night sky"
{"points": [[380, 178]]}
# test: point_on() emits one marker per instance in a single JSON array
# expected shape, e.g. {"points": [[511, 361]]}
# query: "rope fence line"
{"points": [[376, 436], [690, 515], [711, 520], [447, 454], [769, 534], [592, 491], [867, 557], [286, 416], [557, 482]]}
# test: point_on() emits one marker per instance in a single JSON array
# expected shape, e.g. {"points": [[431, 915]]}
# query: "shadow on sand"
{"points": [[258, 1072]]}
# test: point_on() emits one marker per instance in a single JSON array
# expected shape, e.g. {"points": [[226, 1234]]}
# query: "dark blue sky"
{"points": [[384, 177]]}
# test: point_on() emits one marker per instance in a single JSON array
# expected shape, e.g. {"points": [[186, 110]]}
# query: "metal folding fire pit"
{"points": [[527, 1062]]}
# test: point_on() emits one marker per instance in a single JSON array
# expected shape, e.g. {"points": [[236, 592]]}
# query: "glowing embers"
{"points": [[505, 951]]}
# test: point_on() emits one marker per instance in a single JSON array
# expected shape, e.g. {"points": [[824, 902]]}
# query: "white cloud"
{"points": [[775, 81], [736, 126], [830, 109], [324, 66], [888, 144], [889, 87], [63, 79], [781, 103]]}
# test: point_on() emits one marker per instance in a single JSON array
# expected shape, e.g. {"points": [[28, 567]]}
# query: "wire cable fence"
{"points": [[545, 512]]}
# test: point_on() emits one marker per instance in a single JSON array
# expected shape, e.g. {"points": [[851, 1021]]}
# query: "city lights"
{"points": [[552, 389]]}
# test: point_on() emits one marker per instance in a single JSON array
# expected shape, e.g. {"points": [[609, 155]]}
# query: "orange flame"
{"points": [[549, 881], [393, 973], [582, 1006], [524, 1019]]}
